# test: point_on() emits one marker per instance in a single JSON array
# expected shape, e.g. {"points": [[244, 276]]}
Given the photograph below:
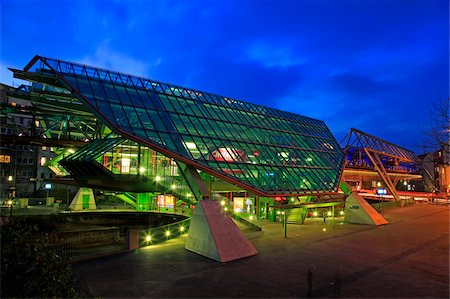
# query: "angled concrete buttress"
{"points": [[83, 200], [359, 211], [213, 234]]}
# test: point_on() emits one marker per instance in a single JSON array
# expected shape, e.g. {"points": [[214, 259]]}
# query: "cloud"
{"points": [[107, 58], [358, 85], [272, 56]]}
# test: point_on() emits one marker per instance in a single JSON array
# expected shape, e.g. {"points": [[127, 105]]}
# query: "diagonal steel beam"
{"points": [[375, 159]]}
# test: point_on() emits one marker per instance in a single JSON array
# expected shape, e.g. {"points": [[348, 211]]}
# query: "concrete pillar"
{"points": [[133, 239]]}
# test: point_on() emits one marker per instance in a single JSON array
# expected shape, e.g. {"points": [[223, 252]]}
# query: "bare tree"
{"points": [[439, 132]]}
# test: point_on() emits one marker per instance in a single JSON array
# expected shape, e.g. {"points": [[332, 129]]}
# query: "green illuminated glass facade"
{"points": [[267, 150]]}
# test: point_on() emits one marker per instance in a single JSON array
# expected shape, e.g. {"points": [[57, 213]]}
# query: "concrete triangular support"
{"points": [[358, 211], [213, 234], [83, 200]]}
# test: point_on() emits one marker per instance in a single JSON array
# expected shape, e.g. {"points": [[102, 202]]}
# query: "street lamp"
{"points": [[10, 203], [47, 187]]}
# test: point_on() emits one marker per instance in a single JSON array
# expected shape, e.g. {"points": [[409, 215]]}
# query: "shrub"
{"points": [[29, 268]]}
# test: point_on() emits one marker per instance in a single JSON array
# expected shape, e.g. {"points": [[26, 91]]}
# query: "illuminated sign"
{"points": [[228, 154], [381, 191]]}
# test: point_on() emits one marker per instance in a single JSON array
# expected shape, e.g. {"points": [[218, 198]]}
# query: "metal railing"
{"points": [[163, 233], [86, 246]]}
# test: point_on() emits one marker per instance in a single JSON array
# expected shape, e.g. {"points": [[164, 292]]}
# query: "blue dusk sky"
{"points": [[376, 65]]}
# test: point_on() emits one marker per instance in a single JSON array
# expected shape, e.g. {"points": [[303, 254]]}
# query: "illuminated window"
{"points": [[43, 160], [44, 148], [5, 159], [125, 165]]}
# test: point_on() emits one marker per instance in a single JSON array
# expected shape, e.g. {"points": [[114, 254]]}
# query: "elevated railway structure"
{"points": [[372, 162]]}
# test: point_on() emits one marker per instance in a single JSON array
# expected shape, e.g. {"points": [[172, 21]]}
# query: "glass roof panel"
{"points": [[274, 151]]}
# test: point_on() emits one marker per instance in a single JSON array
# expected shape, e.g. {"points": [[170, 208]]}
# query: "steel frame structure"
{"points": [[375, 148], [263, 150]]}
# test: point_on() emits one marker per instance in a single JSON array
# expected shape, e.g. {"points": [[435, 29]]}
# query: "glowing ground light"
{"points": [[167, 233], [329, 213], [324, 229], [10, 202], [341, 212], [222, 203], [181, 228], [225, 209], [251, 217], [315, 214], [173, 186], [157, 178], [148, 238]]}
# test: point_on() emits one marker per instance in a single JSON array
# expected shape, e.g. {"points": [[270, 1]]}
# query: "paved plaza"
{"points": [[408, 258]]}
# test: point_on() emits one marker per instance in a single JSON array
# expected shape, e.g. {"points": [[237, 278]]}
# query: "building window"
{"points": [[43, 160], [44, 148], [5, 159]]}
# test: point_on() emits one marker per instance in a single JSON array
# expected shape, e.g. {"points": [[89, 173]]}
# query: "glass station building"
{"points": [[159, 144]]}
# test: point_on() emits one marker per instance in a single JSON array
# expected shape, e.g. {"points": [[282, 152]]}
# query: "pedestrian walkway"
{"points": [[407, 258]]}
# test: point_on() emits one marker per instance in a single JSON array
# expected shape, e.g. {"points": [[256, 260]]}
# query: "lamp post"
{"points": [[10, 203], [47, 187]]}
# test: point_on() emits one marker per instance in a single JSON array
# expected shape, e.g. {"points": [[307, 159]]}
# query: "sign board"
{"points": [[381, 191]]}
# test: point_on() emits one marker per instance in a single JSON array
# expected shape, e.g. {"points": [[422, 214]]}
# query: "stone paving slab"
{"points": [[408, 258]]}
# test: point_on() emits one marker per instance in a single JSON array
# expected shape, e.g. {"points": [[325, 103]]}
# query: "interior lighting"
{"points": [[142, 169], [225, 209], [173, 186], [309, 159], [251, 217], [188, 194], [379, 184], [341, 212], [181, 228], [167, 233], [191, 145], [315, 214], [278, 212], [284, 154], [292, 199], [157, 178], [10, 178], [148, 238], [405, 183], [236, 210], [222, 203], [10, 202], [329, 213]]}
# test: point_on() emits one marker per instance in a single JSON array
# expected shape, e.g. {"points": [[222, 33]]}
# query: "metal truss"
{"points": [[375, 149]]}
